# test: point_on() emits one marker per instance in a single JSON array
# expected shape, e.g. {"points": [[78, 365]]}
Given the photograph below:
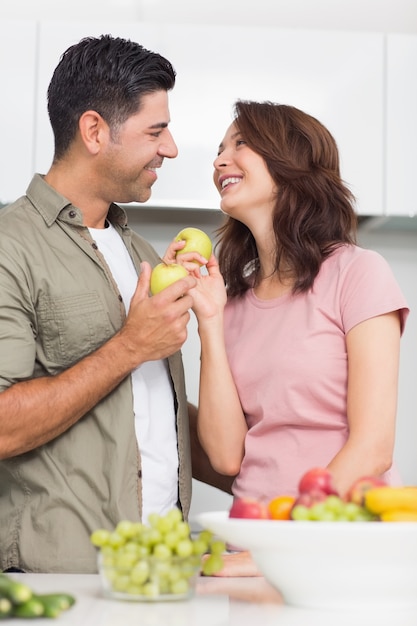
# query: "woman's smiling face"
{"points": [[242, 177]]}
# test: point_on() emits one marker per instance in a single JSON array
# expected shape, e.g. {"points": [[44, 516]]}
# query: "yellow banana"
{"points": [[381, 499], [398, 515]]}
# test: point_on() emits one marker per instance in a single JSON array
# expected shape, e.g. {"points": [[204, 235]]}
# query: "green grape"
{"points": [[121, 582], [143, 551], [351, 510], [140, 573], [165, 524], [124, 560], [184, 547], [332, 509], [183, 529], [150, 589], [327, 516], [206, 535], [134, 590], [174, 516], [164, 586], [151, 536], [116, 540], [317, 511], [108, 555], [200, 547], [131, 547], [153, 519], [212, 564], [179, 587], [334, 504], [161, 569], [217, 547], [126, 529], [171, 538], [174, 573], [100, 537], [162, 551], [367, 516], [300, 512]]}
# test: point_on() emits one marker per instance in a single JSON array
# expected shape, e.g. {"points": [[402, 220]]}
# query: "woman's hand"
{"points": [[192, 261], [209, 295]]}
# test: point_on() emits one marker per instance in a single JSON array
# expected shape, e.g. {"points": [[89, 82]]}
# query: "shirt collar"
{"points": [[53, 206]]}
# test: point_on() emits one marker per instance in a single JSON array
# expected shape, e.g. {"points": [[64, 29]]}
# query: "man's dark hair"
{"points": [[105, 74]]}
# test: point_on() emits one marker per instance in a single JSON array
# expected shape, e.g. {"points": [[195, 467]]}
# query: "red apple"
{"points": [[249, 508], [309, 498], [359, 488], [317, 479]]}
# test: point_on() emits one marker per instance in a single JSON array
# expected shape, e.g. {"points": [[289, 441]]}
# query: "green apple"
{"points": [[196, 241], [164, 275]]}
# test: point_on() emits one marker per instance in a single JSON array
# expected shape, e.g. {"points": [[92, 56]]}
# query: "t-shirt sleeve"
{"points": [[368, 289]]}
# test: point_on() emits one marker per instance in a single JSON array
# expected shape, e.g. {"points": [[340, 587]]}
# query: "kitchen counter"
{"points": [[217, 602]]}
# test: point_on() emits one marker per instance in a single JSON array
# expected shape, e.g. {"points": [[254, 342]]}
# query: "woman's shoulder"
{"points": [[350, 255]]}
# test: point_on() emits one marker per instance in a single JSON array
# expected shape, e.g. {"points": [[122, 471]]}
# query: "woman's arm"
{"points": [[221, 423], [373, 349]]}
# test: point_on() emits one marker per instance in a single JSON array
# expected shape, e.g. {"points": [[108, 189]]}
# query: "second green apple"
{"points": [[196, 241]]}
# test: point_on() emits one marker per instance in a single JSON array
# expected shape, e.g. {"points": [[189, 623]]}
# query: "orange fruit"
{"points": [[280, 507]]}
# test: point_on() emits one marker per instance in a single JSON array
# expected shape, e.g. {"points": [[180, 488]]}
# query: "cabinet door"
{"points": [[17, 78], [401, 148], [335, 76]]}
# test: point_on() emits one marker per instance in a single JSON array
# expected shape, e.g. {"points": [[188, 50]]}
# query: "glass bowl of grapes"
{"points": [[155, 561]]}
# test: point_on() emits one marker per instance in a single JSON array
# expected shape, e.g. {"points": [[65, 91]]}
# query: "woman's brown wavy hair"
{"points": [[314, 210]]}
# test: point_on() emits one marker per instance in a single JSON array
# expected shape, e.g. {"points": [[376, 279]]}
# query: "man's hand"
{"points": [[156, 326]]}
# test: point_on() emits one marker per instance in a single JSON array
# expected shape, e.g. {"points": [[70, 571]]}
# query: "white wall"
{"points": [[370, 15]]}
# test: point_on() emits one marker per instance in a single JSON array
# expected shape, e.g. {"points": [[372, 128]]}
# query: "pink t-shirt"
{"points": [[288, 359]]}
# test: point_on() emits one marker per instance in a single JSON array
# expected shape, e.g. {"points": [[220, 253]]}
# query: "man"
{"points": [[93, 412]]}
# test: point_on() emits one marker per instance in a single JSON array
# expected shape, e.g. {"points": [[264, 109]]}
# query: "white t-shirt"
{"points": [[153, 397]]}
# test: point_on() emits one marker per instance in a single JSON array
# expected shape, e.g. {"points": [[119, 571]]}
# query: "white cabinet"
{"points": [[401, 141], [335, 76], [17, 79]]}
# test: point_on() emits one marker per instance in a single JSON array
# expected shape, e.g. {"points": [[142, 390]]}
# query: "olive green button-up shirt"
{"points": [[58, 303]]}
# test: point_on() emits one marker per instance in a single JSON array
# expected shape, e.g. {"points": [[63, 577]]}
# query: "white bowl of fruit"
{"points": [[325, 552], [154, 561]]}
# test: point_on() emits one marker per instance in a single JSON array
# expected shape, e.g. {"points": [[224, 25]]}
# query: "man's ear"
{"points": [[93, 131]]}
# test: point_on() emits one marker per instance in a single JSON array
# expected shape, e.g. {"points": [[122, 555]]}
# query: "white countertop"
{"points": [[218, 602]]}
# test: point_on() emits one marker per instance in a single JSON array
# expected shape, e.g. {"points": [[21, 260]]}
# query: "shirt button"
{"points": [[72, 213], [120, 298], [95, 247], [140, 474]]}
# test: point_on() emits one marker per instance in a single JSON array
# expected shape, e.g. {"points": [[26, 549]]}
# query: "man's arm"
{"points": [[202, 469], [36, 411]]}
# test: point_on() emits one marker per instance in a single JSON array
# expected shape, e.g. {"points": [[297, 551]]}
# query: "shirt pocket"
{"points": [[70, 327]]}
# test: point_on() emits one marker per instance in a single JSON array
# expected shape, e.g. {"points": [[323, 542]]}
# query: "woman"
{"points": [[300, 351]]}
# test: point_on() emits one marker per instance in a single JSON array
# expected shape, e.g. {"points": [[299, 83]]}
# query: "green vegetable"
{"points": [[18, 600], [16, 591], [5, 607], [55, 603], [31, 608]]}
